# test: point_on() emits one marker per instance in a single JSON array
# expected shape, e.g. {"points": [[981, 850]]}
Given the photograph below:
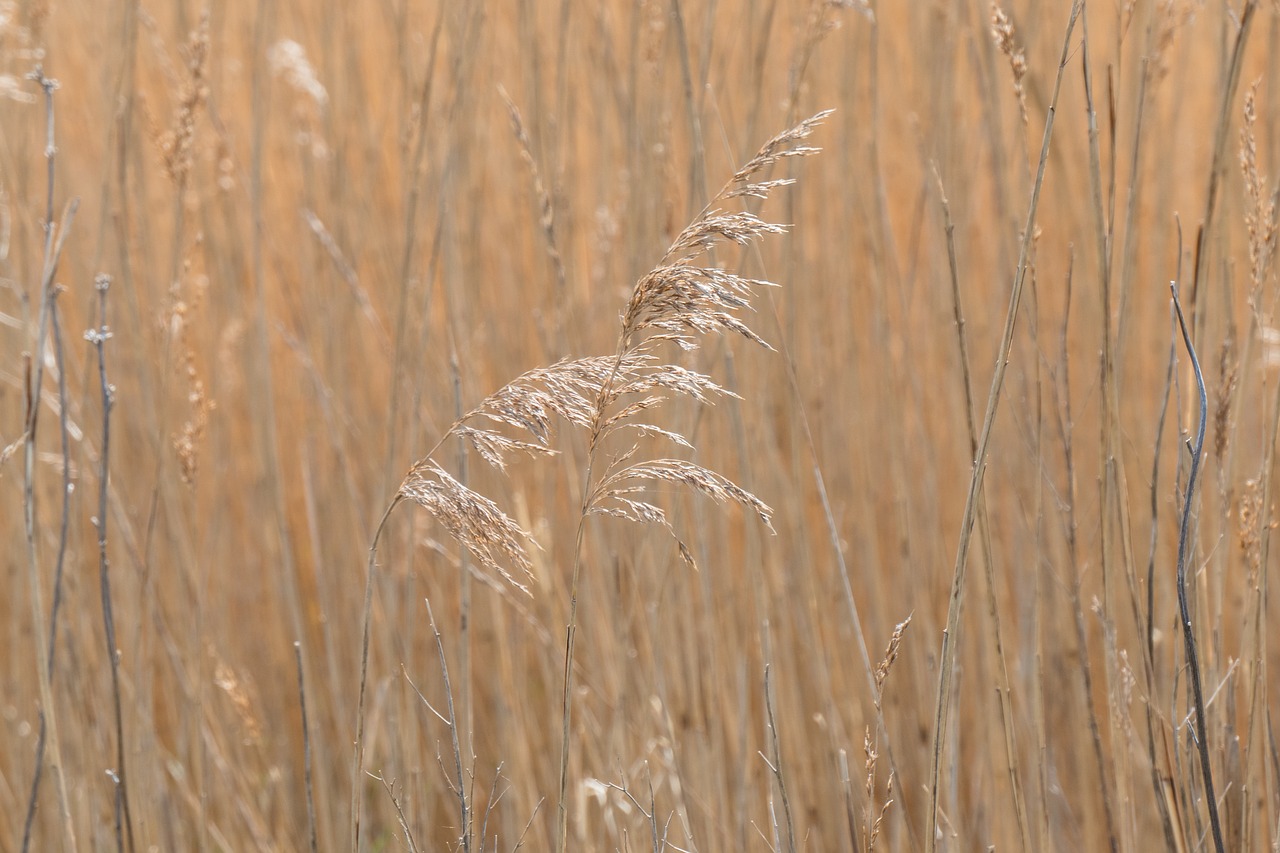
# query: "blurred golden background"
{"points": [[326, 239]]}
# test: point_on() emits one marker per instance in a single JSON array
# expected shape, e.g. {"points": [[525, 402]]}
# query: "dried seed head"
{"points": [[1260, 210], [890, 655], [1228, 377], [677, 302], [471, 518], [546, 209], [702, 480], [289, 59], [177, 143], [1251, 524], [1002, 32]]}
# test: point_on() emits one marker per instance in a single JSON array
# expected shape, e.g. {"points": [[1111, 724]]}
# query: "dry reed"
{"points": [[343, 228]]}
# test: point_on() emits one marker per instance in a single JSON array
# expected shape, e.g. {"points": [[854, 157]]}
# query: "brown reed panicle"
{"points": [[1260, 207], [874, 818], [684, 297], [1171, 16], [1252, 521], [821, 21], [1002, 32], [176, 143], [187, 442], [679, 300], [530, 403], [1228, 379], [546, 208]]}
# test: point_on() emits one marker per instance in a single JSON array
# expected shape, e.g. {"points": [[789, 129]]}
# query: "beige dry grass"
{"points": [[331, 228]]}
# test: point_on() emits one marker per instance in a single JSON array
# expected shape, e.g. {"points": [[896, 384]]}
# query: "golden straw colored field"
{"points": [[666, 425]]}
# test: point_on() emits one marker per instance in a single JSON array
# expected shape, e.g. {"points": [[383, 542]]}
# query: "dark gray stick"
{"points": [[1192, 661]]}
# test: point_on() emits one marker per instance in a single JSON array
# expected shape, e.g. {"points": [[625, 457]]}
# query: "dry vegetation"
{"points": [[349, 341]]}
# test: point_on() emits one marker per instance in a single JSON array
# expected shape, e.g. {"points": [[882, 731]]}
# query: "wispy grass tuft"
{"points": [[684, 298]]}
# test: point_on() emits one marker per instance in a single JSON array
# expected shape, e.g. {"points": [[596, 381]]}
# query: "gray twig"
{"points": [[1193, 665]]}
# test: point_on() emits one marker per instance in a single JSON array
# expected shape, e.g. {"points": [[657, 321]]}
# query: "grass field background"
{"points": [[325, 238]]}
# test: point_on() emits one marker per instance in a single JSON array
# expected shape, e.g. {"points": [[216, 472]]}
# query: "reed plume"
{"points": [[678, 301], [683, 298]]}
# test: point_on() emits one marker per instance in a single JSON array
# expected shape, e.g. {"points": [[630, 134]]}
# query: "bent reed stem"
{"points": [[950, 634], [1184, 609]]}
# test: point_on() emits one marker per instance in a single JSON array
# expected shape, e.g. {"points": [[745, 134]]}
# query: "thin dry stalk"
{"points": [[820, 22], [267, 426], [465, 570], [357, 764], [1003, 689], [492, 803], [1111, 491], [464, 808], [306, 750], [874, 818], [657, 834], [850, 810], [1041, 592], [1066, 432], [546, 208], [1160, 774], [947, 661], [59, 562], [67, 485], [1255, 528], [1219, 163], [775, 760], [1197, 448], [55, 235], [834, 538], [349, 275], [390, 787], [98, 337], [675, 303], [411, 229]]}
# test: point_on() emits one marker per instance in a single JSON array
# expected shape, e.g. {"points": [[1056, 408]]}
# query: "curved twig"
{"points": [[1184, 611]]}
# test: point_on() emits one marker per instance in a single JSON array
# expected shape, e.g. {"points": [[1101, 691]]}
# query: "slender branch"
{"points": [[463, 806], [1111, 505], [571, 629], [1218, 166], [1159, 773], [950, 635], [35, 381], [390, 787], [306, 750], [1184, 610], [60, 561], [984, 532], [98, 338], [357, 765], [64, 434], [776, 749]]}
